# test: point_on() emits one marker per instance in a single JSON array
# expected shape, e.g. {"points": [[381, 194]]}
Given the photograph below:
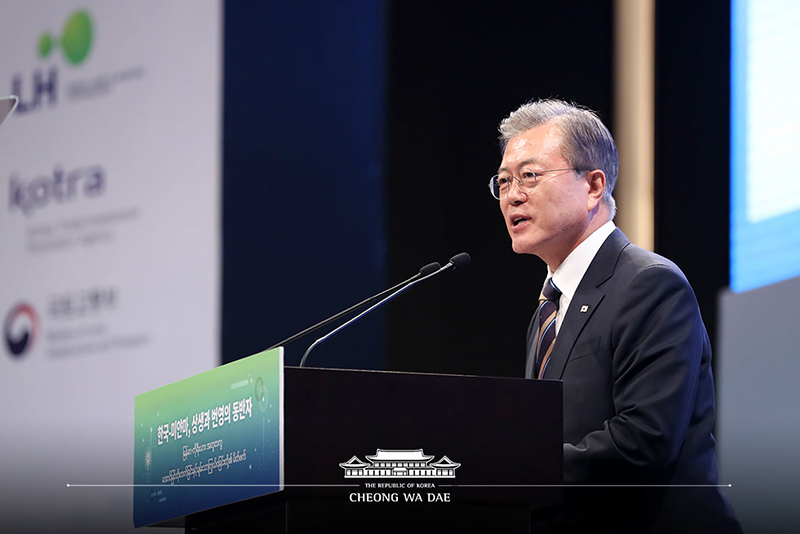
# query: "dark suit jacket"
{"points": [[638, 398]]}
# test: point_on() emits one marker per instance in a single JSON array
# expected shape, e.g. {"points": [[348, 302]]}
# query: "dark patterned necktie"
{"points": [[548, 309]]}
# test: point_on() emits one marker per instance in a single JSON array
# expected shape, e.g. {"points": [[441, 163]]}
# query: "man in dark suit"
{"points": [[620, 326]]}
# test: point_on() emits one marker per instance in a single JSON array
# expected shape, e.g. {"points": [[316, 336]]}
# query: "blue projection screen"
{"points": [[765, 140]]}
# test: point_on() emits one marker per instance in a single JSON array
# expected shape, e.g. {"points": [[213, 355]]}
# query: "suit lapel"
{"points": [[573, 324], [587, 295]]}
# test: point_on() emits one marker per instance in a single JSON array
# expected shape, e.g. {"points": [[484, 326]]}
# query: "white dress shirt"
{"points": [[570, 273]]}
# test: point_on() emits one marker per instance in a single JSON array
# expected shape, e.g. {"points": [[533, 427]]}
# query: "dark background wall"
{"points": [[358, 140], [303, 175], [692, 180], [359, 137], [454, 74]]}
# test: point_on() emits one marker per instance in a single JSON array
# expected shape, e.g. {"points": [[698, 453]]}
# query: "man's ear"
{"points": [[597, 186]]}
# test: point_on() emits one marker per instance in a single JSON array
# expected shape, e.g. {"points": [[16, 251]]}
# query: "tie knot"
{"points": [[550, 291]]}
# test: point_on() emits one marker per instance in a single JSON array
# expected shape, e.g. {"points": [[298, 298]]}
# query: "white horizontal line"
{"points": [[439, 486], [185, 485], [585, 485]]}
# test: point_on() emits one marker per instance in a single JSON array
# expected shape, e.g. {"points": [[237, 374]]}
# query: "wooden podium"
{"points": [[500, 437]]}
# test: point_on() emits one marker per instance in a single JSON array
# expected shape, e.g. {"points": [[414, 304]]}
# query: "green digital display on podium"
{"points": [[209, 440]]}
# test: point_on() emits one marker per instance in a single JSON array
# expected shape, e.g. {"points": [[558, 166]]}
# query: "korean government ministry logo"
{"points": [[411, 463]]}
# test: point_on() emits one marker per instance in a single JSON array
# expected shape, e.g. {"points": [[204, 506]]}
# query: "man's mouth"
{"points": [[517, 220]]}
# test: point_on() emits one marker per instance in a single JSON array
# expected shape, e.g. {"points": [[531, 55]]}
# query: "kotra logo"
{"points": [[21, 329], [60, 187]]}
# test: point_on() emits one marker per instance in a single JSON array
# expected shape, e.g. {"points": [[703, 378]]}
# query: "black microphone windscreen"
{"points": [[430, 268], [460, 261]]}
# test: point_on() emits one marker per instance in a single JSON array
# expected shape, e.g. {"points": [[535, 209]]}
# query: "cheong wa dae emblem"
{"points": [[410, 463]]}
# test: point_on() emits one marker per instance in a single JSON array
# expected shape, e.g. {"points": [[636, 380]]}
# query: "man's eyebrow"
{"points": [[523, 163]]}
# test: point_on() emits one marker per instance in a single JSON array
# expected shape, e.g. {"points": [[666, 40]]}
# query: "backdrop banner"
{"points": [[109, 229]]}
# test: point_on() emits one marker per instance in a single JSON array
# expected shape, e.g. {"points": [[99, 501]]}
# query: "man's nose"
{"points": [[515, 195]]}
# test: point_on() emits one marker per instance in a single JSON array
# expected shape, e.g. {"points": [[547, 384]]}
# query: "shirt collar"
{"points": [[570, 273]]}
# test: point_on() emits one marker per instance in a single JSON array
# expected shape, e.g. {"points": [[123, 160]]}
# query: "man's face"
{"points": [[551, 220]]}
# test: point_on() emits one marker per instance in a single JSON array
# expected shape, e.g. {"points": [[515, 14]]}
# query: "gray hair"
{"points": [[586, 142]]}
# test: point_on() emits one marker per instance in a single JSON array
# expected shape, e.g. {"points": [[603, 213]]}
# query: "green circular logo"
{"points": [[45, 45], [76, 37]]}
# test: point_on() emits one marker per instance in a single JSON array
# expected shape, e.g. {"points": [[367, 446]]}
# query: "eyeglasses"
{"points": [[500, 184]]}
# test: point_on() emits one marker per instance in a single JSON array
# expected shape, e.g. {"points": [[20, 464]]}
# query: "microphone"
{"points": [[459, 261], [425, 271]]}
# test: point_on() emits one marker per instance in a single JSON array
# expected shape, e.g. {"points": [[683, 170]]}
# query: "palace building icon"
{"points": [[399, 464]]}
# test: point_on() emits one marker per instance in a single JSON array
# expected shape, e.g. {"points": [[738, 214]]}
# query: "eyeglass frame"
{"points": [[535, 174]]}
